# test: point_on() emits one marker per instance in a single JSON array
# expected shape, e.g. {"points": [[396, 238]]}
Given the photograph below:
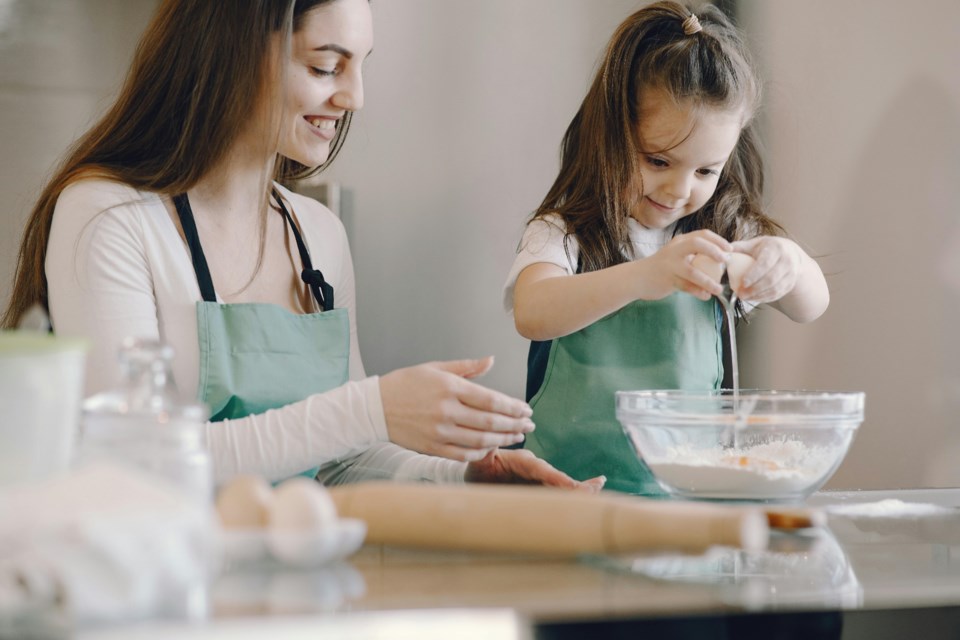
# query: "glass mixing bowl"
{"points": [[759, 445]]}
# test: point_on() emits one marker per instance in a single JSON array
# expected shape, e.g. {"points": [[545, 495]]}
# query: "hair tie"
{"points": [[692, 25]]}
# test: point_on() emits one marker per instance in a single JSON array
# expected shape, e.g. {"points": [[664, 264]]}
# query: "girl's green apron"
{"points": [[673, 343], [255, 357]]}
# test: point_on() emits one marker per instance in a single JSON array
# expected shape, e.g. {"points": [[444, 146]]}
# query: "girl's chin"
{"points": [[655, 223]]}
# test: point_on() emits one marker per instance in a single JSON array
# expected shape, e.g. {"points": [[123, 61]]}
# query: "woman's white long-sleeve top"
{"points": [[118, 267]]}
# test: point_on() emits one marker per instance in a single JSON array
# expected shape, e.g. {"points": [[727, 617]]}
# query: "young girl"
{"points": [[659, 165], [165, 222]]}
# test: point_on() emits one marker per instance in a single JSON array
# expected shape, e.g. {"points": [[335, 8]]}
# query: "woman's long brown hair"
{"points": [[200, 70], [599, 182]]}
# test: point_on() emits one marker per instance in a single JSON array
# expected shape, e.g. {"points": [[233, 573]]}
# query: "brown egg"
{"points": [[244, 503], [301, 505]]}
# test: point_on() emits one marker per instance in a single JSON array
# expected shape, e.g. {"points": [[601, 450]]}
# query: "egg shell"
{"points": [[737, 266], [301, 504], [708, 265], [244, 502]]}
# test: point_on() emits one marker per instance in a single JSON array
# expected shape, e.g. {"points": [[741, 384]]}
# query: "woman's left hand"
{"points": [[519, 466], [776, 268]]}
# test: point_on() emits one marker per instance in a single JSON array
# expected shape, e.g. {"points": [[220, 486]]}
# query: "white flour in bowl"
{"points": [[769, 470]]}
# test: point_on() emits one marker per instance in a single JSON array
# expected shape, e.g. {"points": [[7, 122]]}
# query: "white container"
{"points": [[41, 387]]}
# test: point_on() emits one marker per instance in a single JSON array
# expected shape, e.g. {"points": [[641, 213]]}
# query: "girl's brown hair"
{"points": [[200, 69], [599, 182]]}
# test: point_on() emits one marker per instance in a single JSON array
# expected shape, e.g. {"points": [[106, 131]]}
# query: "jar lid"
{"points": [[21, 342]]}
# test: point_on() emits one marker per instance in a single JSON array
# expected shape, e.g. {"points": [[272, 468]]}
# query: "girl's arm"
{"points": [[785, 277], [549, 303]]}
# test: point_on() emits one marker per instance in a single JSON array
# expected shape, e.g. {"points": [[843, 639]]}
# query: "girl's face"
{"points": [[324, 77], [684, 152]]}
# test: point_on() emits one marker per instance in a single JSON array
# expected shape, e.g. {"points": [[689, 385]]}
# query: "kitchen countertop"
{"points": [[886, 563]]}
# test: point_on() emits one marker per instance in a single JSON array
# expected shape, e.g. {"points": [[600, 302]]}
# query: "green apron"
{"points": [[673, 343], [254, 356]]}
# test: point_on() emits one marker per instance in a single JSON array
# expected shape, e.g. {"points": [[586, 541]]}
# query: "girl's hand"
{"points": [[672, 269], [433, 409], [776, 270], [519, 466]]}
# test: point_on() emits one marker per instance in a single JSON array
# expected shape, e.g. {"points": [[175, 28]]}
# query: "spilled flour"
{"points": [[890, 508], [769, 470]]}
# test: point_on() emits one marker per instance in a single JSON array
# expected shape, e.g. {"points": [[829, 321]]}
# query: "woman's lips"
{"points": [[321, 126]]}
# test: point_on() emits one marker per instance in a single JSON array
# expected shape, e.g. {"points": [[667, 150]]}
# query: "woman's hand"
{"points": [[519, 466], [432, 408], [671, 268], [784, 275]]}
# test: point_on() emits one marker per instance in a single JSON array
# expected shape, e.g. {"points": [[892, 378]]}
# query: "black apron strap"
{"points": [[322, 290], [200, 267]]}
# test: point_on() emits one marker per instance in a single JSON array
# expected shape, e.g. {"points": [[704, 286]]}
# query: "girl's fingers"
{"points": [[745, 246], [771, 291], [712, 237], [698, 283], [718, 252]]}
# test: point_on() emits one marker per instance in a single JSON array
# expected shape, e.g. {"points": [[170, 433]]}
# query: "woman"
{"points": [[165, 222]]}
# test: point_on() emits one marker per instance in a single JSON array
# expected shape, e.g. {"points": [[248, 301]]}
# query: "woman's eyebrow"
{"points": [[346, 53], [336, 48]]}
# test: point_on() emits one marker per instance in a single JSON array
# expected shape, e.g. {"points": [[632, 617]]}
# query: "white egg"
{"points": [[301, 504], [737, 266], [303, 525], [244, 503]]}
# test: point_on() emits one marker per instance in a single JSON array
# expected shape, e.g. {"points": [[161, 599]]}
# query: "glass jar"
{"points": [[145, 424]]}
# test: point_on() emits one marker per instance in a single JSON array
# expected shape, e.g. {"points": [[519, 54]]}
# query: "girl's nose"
{"points": [[679, 185]]}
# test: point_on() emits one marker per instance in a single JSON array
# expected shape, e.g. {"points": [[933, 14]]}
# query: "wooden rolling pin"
{"points": [[541, 520]]}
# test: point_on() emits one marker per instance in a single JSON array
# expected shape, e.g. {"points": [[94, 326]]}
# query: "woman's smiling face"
{"points": [[324, 77], [684, 151]]}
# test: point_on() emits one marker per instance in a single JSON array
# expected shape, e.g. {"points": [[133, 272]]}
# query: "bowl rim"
{"points": [[745, 392], [850, 411]]}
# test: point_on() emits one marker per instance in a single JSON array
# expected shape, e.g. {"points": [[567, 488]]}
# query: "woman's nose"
{"points": [[349, 95]]}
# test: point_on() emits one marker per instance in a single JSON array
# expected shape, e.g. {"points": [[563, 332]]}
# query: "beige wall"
{"points": [[466, 103], [863, 134], [60, 60]]}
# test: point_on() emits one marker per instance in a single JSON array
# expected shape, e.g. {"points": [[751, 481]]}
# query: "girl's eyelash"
{"points": [[660, 163], [317, 71]]}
